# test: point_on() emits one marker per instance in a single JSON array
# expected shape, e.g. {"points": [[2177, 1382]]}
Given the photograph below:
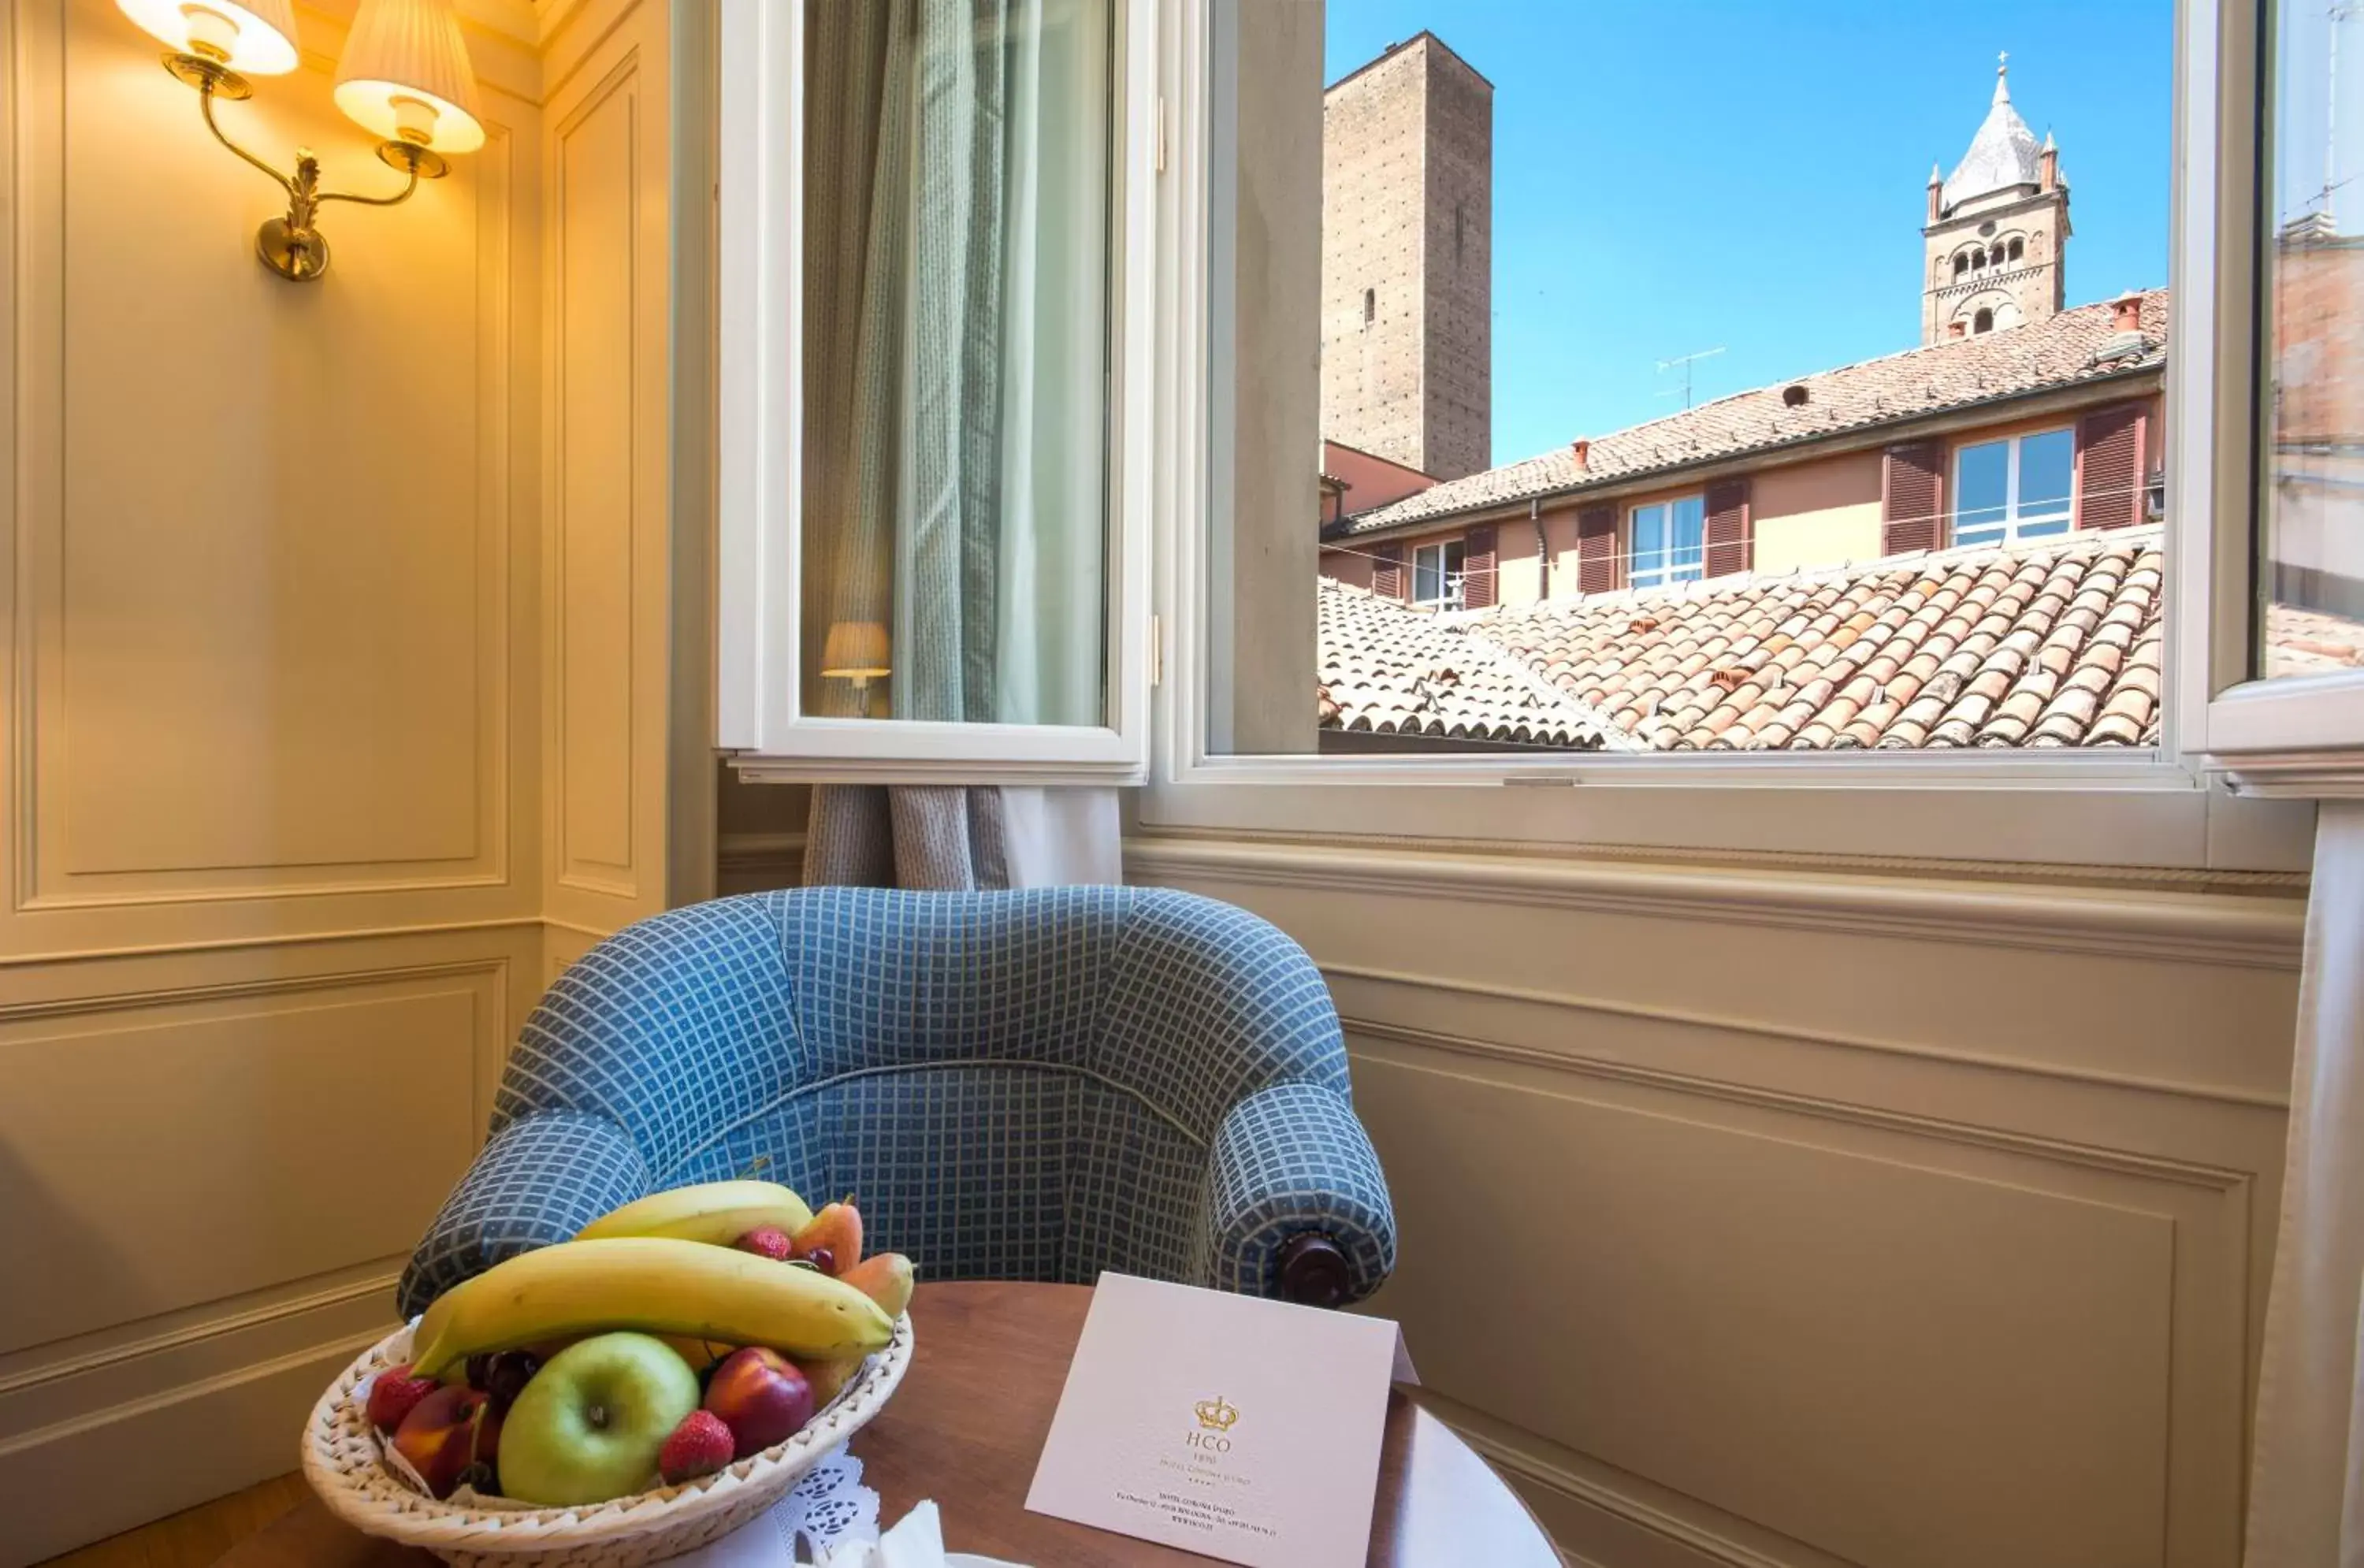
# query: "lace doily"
{"points": [[828, 1506]]}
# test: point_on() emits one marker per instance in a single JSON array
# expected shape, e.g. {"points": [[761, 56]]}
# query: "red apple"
{"points": [[447, 1432], [761, 1396]]}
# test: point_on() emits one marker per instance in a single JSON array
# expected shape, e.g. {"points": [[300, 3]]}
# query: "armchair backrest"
{"points": [[1024, 1083]]}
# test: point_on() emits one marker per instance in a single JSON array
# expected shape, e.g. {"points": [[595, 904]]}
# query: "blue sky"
{"points": [[1672, 175]]}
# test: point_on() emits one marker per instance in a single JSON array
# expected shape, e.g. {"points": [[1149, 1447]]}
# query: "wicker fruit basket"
{"points": [[344, 1461]]}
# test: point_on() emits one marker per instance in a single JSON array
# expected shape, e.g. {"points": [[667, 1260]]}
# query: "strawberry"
{"points": [[765, 1241], [699, 1446], [394, 1394]]}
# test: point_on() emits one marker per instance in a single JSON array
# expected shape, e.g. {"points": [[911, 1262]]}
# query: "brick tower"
{"points": [[1407, 259], [1992, 251]]}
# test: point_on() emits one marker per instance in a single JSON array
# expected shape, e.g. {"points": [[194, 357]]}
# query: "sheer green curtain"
{"points": [[956, 360]]}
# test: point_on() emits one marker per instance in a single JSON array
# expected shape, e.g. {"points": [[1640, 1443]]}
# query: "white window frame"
{"points": [[2168, 808], [1449, 584], [2013, 523], [2297, 737], [759, 540], [1666, 572]]}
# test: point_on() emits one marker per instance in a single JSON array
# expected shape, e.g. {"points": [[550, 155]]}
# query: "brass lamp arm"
{"points": [[301, 189], [293, 246], [395, 200], [206, 106]]}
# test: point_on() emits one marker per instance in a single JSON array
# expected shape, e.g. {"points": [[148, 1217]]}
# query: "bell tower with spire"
{"points": [[1991, 251]]}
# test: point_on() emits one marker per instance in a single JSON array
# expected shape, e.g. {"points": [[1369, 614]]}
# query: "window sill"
{"points": [[2136, 812], [2169, 926]]}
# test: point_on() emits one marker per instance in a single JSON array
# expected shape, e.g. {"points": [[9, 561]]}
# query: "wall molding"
{"points": [[199, 1332], [86, 1004], [272, 940], [2214, 1178], [2178, 928], [1748, 1027], [1515, 1459]]}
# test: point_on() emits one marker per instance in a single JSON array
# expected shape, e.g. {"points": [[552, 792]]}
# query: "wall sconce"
{"points": [[404, 76], [856, 651]]}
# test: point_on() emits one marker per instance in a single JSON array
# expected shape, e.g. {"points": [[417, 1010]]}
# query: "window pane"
{"points": [[1427, 579], [1649, 562], [1981, 491], [1689, 541], [2046, 463], [2309, 616], [1597, 410], [956, 258]]}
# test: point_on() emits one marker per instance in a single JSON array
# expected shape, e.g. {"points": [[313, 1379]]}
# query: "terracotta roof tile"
{"points": [[2053, 644], [2074, 346]]}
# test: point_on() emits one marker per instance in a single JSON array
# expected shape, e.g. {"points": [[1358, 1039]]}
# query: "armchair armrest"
{"points": [[540, 1180], [1291, 1161]]}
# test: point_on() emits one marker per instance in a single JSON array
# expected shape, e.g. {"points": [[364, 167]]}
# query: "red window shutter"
{"points": [[1386, 573], [1911, 498], [1596, 549], [2110, 466], [1731, 542], [1478, 568]]}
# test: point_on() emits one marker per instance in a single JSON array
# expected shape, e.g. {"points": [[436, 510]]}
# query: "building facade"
{"points": [[2002, 438], [2015, 420], [1407, 264]]}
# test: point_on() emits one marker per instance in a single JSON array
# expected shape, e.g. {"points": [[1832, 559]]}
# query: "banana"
{"points": [[655, 1284], [718, 1212]]}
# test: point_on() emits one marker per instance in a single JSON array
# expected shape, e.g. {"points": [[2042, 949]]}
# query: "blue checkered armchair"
{"points": [[1030, 1086]]}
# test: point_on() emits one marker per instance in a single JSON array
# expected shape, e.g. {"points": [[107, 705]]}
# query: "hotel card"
{"points": [[1226, 1424]]}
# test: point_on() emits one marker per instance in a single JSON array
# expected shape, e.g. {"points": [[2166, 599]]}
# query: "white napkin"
{"points": [[916, 1542]]}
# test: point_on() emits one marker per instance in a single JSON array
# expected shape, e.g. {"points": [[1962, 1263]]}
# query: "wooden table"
{"points": [[965, 1429]]}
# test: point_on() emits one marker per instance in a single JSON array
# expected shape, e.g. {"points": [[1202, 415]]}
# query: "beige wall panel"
{"points": [[2044, 1008], [1703, 1288], [216, 1158], [1758, 1218], [271, 618], [607, 536], [192, 717], [70, 1486], [592, 572]]}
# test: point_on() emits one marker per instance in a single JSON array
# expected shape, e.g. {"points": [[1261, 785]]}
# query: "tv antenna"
{"points": [[1687, 360]]}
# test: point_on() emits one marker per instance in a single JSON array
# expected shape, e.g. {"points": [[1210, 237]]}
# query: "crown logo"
{"points": [[1215, 1415]]}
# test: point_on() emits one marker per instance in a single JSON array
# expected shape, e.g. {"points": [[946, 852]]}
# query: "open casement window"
{"points": [[2284, 642], [1973, 595], [935, 291]]}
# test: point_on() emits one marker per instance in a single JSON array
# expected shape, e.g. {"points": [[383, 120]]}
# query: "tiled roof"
{"points": [[2074, 346], [1394, 670], [2044, 646], [2309, 642]]}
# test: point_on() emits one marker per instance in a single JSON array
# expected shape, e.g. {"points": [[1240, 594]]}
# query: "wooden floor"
{"points": [[195, 1538]]}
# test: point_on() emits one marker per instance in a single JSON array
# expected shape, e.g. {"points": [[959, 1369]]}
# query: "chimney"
{"points": [[1954, 328], [2049, 178], [1936, 194], [2126, 312], [1583, 450]]}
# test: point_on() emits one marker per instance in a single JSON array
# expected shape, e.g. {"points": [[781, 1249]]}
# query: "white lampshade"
{"points": [[254, 37], [405, 75]]}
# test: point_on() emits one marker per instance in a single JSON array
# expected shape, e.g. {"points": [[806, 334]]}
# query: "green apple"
{"points": [[589, 1425]]}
